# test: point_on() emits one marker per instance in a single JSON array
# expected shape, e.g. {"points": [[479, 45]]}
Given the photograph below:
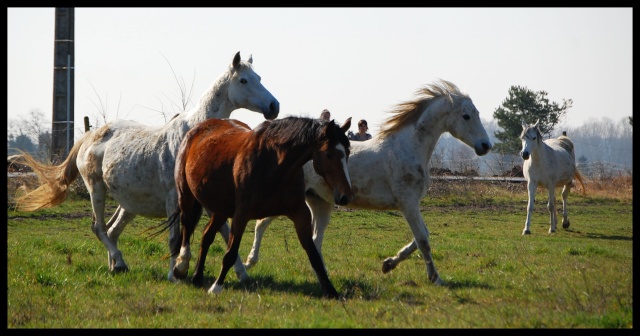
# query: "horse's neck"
{"points": [[214, 103], [426, 134], [538, 155], [295, 159]]}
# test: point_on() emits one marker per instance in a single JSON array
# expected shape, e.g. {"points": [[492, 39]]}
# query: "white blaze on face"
{"points": [[341, 148]]}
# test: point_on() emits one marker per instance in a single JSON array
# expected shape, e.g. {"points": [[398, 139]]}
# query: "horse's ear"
{"points": [[346, 125], [536, 124], [250, 60], [236, 60]]}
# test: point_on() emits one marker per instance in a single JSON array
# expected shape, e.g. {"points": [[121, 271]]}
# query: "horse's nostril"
{"points": [[344, 200]]}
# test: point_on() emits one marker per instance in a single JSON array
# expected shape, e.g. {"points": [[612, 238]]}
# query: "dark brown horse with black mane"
{"points": [[243, 174]]}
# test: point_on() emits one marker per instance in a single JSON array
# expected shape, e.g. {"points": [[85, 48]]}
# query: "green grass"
{"points": [[57, 274]]}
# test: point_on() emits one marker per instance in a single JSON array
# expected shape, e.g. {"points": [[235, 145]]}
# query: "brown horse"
{"points": [[243, 174]]}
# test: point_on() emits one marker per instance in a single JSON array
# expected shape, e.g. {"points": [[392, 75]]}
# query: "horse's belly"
{"points": [[141, 201]]}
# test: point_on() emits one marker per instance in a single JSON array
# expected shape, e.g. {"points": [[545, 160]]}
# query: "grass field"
{"points": [[582, 277]]}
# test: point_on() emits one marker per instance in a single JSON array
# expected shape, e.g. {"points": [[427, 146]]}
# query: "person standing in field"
{"points": [[362, 134]]}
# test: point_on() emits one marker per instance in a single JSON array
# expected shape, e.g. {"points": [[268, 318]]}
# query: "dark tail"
{"points": [[157, 230]]}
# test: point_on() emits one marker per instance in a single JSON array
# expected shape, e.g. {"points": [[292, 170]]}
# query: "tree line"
{"points": [[603, 147]]}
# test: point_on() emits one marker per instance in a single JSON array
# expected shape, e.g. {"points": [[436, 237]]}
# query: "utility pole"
{"points": [[63, 84]]}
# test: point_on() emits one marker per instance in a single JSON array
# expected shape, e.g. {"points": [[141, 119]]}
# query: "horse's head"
{"points": [[466, 126], [246, 91], [330, 160], [530, 137]]}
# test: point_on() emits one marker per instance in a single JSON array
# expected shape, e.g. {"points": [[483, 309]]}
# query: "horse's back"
{"points": [[134, 161], [558, 167], [563, 142], [206, 160]]}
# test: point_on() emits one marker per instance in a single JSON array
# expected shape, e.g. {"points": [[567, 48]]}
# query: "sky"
{"points": [[356, 62]]}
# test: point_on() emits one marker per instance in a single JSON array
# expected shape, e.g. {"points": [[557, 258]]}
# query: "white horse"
{"points": [[400, 153], [550, 164], [134, 163]]}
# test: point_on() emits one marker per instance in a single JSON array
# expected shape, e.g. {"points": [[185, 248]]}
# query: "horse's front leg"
{"points": [[261, 228], [303, 224], [421, 238], [565, 212], [551, 206], [531, 188], [231, 256], [321, 215], [391, 262]]}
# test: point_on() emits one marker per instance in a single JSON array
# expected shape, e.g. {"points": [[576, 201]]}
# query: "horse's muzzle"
{"points": [[273, 111], [483, 149], [344, 200]]}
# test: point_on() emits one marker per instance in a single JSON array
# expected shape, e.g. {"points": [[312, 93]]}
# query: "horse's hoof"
{"points": [[526, 232], [331, 294], [387, 265], [179, 274], [120, 269], [564, 226], [244, 277], [197, 281], [438, 282], [215, 289]]}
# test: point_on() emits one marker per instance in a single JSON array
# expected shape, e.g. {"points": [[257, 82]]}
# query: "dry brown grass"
{"points": [[620, 187]]}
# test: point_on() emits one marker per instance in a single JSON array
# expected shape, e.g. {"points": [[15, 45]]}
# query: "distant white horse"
{"points": [[135, 163], [391, 170], [550, 163]]}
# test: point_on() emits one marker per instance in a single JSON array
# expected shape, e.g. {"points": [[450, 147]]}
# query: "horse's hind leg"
{"points": [[98, 192], [238, 267], [231, 256], [565, 212], [190, 212], [321, 215], [254, 254], [116, 225], [209, 234], [551, 205]]}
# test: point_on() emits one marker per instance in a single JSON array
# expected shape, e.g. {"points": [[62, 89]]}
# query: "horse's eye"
{"points": [[329, 156], [243, 81], [466, 117]]}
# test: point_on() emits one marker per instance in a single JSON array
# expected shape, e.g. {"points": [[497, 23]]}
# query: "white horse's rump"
{"points": [[134, 163], [550, 164], [400, 154]]}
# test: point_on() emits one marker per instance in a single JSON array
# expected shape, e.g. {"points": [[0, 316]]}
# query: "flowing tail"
{"points": [[54, 180], [578, 176]]}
